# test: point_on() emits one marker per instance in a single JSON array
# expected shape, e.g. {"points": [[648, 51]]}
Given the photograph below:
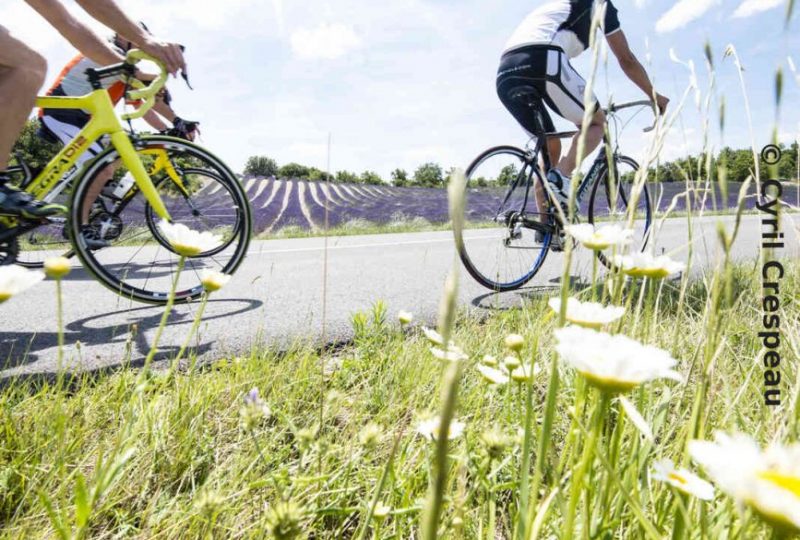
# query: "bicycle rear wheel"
{"points": [[137, 261], [614, 201], [508, 225]]}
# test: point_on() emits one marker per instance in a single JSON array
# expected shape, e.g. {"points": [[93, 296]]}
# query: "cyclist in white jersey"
{"points": [[537, 55]]}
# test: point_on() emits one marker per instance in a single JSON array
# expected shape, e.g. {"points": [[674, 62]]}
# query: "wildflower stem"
{"points": [[526, 455], [165, 316], [544, 438], [60, 319], [197, 318], [583, 465]]}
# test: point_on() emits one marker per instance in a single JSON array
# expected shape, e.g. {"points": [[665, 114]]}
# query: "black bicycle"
{"points": [[509, 229]]}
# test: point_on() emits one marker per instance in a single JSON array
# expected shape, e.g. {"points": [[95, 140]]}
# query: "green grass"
{"points": [[175, 454]]}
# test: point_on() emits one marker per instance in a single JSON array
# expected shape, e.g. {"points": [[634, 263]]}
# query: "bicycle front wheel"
{"points": [[508, 222], [116, 234], [617, 200]]}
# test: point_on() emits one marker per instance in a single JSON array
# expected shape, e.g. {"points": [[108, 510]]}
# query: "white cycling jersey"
{"points": [[563, 23]]}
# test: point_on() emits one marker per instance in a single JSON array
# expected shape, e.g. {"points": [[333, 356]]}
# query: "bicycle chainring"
{"points": [[104, 226]]}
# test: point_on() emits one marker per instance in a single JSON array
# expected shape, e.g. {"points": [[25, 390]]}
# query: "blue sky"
{"points": [[400, 82]]}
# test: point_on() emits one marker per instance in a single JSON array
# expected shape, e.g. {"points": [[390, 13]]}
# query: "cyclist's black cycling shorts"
{"points": [[547, 69]]}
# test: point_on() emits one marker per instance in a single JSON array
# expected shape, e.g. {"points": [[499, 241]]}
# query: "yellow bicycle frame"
{"points": [[103, 121]]}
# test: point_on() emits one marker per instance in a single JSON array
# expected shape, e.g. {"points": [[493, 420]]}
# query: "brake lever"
{"points": [[185, 77]]}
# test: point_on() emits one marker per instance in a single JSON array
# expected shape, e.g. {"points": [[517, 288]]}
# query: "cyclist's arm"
{"points": [[155, 121], [110, 14], [164, 110], [632, 68], [78, 34]]}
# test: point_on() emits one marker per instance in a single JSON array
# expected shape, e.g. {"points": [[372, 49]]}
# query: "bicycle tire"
{"points": [[469, 244], [134, 278], [623, 196]]}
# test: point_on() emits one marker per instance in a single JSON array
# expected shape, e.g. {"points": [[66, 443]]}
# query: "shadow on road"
{"points": [[505, 301], [125, 328]]}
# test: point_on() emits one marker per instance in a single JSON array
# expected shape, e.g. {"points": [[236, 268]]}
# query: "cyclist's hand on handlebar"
{"points": [[169, 53], [661, 103]]}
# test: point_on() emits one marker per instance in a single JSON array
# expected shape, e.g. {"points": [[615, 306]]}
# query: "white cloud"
{"points": [[682, 13], [749, 8], [326, 41]]}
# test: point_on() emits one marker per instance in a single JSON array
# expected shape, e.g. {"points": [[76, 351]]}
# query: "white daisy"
{"points": [[434, 337], [489, 360], [15, 279], [213, 281], [613, 363], [681, 479], [515, 342], [768, 481], [493, 375], [645, 265], [430, 428], [587, 314], [188, 242], [524, 372], [636, 418], [57, 267], [511, 362], [453, 354], [601, 238], [405, 317]]}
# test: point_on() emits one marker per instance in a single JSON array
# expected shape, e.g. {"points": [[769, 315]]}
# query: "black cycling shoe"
{"points": [[14, 202]]}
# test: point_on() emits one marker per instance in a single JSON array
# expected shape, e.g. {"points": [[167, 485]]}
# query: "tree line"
{"points": [[738, 165], [426, 175]]}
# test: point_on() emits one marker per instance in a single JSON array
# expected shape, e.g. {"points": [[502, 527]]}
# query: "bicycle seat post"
{"points": [[532, 98]]}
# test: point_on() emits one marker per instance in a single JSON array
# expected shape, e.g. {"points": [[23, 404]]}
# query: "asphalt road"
{"points": [[287, 291]]}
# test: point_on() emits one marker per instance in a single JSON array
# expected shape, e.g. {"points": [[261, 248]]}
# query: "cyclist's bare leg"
{"points": [[22, 73], [97, 187], [594, 134]]}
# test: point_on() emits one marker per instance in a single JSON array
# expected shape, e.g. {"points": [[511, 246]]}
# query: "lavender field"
{"points": [[278, 204]]}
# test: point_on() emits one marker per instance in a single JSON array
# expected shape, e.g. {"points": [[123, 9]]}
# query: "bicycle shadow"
{"points": [[18, 349], [510, 300]]}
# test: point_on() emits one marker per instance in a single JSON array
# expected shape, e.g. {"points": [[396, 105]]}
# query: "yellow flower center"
{"points": [[5, 295], [789, 483], [585, 323], [186, 251], [678, 478], [607, 384]]}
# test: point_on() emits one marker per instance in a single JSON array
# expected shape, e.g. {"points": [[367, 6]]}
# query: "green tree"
{"points": [[429, 175], [317, 175], [346, 177], [261, 166], [294, 170], [399, 178], [34, 150], [507, 175], [370, 177]]}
